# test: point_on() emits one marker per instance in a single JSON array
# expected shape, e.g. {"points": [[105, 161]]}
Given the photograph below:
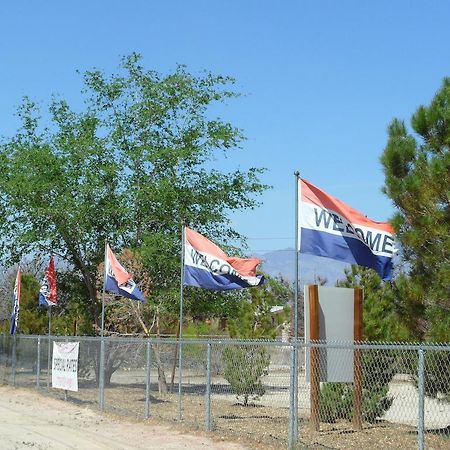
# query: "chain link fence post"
{"points": [[4, 359], [421, 392], [147, 380], [101, 376], [293, 399], [65, 390], [180, 380], [14, 360], [38, 364], [49, 353], [208, 388]]}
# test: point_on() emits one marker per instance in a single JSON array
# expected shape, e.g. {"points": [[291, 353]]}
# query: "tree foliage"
{"points": [[131, 167], [417, 179], [32, 318], [255, 318], [389, 313]]}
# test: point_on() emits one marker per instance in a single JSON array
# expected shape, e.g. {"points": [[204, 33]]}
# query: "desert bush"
{"points": [[336, 399], [245, 365]]}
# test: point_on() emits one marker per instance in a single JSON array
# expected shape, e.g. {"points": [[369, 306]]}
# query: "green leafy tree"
{"points": [[417, 179], [135, 163], [71, 314], [32, 317], [255, 318]]}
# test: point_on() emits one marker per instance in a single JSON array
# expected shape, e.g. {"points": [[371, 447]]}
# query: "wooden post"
{"points": [[314, 335], [357, 363]]}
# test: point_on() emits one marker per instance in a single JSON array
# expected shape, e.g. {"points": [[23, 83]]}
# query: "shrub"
{"points": [[244, 367], [336, 399], [335, 402]]}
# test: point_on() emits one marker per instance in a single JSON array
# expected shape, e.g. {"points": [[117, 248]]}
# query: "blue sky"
{"points": [[322, 79]]}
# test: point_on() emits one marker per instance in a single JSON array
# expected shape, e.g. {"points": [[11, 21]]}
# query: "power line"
{"points": [[270, 250], [268, 238]]}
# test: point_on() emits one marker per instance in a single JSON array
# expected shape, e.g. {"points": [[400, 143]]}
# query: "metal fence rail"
{"points": [[363, 395]]}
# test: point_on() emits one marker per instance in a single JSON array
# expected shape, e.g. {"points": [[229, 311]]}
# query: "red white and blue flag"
{"points": [[208, 267], [118, 280], [47, 293], [15, 304], [330, 228]]}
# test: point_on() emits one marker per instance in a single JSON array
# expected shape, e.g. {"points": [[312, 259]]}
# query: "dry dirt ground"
{"points": [[31, 421], [45, 421]]}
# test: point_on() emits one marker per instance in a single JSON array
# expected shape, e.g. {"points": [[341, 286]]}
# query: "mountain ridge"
{"points": [[312, 269]]}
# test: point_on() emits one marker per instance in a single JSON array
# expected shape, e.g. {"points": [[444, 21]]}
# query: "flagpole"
{"points": [[297, 250], [103, 291], [297, 178], [101, 377], [180, 353]]}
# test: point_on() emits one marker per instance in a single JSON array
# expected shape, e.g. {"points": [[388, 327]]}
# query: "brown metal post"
{"points": [[357, 363], [314, 335]]}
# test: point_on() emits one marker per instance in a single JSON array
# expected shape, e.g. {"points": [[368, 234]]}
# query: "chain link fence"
{"points": [[276, 394]]}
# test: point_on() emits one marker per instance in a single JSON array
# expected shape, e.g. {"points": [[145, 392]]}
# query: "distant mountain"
{"points": [[282, 262]]}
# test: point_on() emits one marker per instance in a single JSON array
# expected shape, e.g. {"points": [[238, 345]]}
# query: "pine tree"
{"points": [[417, 179]]}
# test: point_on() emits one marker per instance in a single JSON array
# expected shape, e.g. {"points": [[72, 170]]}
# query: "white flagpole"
{"points": [[180, 356]]}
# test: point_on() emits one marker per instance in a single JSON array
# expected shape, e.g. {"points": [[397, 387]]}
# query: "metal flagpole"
{"points": [[296, 365], [180, 356], [101, 370], [103, 291], [297, 243]]}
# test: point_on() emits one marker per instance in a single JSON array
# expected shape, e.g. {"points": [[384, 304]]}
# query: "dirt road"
{"points": [[31, 421]]}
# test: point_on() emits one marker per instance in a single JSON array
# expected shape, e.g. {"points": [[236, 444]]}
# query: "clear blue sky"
{"points": [[322, 79]]}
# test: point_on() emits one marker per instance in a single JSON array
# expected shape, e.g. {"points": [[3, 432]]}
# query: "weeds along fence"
{"points": [[276, 394]]}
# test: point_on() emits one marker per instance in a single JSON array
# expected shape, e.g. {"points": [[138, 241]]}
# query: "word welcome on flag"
{"points": [[330, 228], [207, 266]]}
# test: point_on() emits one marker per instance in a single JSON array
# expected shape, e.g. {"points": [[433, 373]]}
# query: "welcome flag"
{"points": [[15, 304], [47, 293], [330, 228], [118, 280], [208, 267]]}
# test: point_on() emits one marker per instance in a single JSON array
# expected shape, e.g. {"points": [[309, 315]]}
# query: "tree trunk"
{"points": [[162, 383]]}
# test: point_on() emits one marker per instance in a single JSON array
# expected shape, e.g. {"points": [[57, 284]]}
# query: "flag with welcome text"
{"points": [[118, 280], [47, 293], [330, 228], [16, 303], [208, 267]]}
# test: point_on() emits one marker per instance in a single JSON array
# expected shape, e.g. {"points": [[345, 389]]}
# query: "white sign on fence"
{"points": [[65, 365]]}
